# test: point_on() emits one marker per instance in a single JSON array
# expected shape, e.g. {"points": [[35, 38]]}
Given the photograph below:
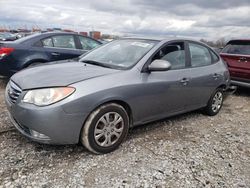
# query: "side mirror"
{"points": [[159, 65]]}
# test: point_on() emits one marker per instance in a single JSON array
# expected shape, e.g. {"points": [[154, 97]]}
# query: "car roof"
{"points": [[238, 40], [169, 39], [164, 39], [47, 34], [58, 32]]}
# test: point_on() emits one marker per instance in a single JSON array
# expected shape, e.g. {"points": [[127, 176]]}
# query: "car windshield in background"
{"points": [[242, 48], [120, 54]]}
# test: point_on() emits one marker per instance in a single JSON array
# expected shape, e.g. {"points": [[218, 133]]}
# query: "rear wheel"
{"points": [[105, 128], [215, 103]]}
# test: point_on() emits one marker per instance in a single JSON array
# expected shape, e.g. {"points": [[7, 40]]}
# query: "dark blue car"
{"points": [[42, 48]]}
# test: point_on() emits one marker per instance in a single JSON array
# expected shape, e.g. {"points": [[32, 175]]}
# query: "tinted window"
{"points": [[242, 48], [47, 42], [87, 43], [64, 41], [200, 55], [174, 54]]}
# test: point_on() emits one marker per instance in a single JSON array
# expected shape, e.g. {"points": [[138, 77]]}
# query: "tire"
{"points": [[105, 128], [215, 103]]}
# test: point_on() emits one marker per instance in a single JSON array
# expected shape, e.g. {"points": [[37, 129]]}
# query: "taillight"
{"points": [[5, 51]]}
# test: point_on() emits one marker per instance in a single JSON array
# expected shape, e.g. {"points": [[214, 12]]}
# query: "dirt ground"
{"points": [[190, 150]]}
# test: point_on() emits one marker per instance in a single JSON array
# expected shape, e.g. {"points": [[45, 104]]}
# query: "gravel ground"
{"points": [[190, 150]]}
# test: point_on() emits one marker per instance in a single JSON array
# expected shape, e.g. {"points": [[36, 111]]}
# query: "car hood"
{"points": [[54, 75]]}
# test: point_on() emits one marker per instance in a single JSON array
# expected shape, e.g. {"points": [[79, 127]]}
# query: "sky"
{"points": [[208, 19]]}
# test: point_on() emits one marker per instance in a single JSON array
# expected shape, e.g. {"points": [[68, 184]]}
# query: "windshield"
{"points": [[121, 54]]}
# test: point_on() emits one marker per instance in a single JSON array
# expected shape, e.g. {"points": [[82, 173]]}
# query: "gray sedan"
{"points": [[125, 83]]}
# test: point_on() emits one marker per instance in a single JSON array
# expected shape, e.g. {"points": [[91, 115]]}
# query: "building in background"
{"points": [[95, 34], [83, 33], [4, 30]]}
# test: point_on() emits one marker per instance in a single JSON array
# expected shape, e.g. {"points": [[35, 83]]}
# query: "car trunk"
{"points": [[238, 61]]}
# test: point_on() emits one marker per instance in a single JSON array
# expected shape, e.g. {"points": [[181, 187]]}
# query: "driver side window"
{"points": [[173, 53]]}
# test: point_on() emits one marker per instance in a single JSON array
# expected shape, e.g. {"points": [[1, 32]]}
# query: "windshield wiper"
{"points": [[92, 62]]}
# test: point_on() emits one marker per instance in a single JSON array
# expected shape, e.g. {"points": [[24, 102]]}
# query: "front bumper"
{"points": [[50, 124]]}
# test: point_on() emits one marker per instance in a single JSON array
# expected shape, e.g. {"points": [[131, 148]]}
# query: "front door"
{"points": [[166, 92]]}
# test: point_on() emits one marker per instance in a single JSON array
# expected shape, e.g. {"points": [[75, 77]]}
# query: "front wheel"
{"points": [[105, 128], [215, 103]]}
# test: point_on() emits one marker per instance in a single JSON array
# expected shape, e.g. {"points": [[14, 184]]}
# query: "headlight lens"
{"points": [[47, 96]]}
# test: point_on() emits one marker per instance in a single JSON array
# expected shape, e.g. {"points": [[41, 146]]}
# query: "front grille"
{"points": [[13, 92]]}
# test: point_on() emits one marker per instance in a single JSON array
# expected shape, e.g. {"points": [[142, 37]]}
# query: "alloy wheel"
{"points": [[217, 101], [108, 129]]}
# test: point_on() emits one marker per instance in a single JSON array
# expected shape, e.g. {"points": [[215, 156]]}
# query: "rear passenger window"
{"points": [[200, 55], [47, 42], [64, 41], [173, 53]]}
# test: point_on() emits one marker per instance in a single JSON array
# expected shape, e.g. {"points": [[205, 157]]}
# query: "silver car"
{"points": [[122, 84]]}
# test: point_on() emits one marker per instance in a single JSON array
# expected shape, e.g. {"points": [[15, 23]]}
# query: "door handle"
{"points": [[216, 76], [184, 81], [55, 54], [242, 59]]}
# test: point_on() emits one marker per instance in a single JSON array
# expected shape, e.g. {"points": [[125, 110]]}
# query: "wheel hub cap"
{"points": [[108, 129], [217, 101]]}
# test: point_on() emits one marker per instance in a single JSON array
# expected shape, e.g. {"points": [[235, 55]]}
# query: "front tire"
{"points": [[105, 128], [215, 103]]}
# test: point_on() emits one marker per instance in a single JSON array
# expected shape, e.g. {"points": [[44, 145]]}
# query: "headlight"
{"points": [[47, 96]]}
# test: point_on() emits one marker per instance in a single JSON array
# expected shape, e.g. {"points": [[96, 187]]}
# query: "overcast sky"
{"points": [[210, 19]]}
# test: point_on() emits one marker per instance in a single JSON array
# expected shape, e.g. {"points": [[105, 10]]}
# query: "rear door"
{"points": [[204, 75], [60, 47], [237, 56]]}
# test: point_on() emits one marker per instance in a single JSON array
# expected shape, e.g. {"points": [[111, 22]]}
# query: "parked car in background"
{"points": [[237, 56], [42, 48], [21, 35], [121, 84], [7, 37]]}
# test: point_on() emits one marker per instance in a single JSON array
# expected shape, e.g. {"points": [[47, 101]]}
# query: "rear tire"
{"points": [[215, 103], [105, 128]]}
